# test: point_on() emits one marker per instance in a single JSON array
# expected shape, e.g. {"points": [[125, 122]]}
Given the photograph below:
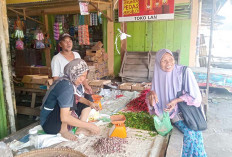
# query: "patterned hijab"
{"points": [[72, 71]]}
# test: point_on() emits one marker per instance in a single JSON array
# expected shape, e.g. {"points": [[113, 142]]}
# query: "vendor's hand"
{"points": [[88, 89], [152, 97], [94, 129], [94, 106], [170, 106]]}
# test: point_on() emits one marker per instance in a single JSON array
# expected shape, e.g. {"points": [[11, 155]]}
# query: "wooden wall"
{"points": [[170, 34]]}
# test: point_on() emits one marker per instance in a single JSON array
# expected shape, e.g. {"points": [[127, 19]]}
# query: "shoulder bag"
{"points": [[193, 116]]}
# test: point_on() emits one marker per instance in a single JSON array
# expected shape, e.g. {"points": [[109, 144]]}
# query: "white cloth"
{"points": [[46, 140], [59, 62]]}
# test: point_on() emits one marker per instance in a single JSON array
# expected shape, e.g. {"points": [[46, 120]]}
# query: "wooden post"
{"points": [[47, 56], [210, 48], [45, 21], [47, 50], [123, 42], [5, 61], [110, 44], [194, 30], [24, 14]]}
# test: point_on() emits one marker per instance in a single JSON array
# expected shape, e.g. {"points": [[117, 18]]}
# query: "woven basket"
{"points": [[53, 152]]}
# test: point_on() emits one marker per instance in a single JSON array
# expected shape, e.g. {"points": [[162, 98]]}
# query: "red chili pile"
{"points": [[110, 145], [138, 104]]}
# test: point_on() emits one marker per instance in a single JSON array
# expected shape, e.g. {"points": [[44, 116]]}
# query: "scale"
{"points": [[97, 100], [119, 129]]}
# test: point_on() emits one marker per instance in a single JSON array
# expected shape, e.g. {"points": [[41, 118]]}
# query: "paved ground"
{"points": [[218, 136]]}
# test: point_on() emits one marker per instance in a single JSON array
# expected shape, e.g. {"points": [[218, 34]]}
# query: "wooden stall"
{"points": [[33, 61]]}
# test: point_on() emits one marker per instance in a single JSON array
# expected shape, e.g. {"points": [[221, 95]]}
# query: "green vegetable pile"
{"points": [[139, 120]]}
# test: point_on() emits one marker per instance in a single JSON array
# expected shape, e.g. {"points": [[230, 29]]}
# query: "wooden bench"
{"points": [[32, 110]]}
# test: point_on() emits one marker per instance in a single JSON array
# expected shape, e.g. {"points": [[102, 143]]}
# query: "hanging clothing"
{"points": [[86, 19], [83, 35], [93, 19], [81, 20]]}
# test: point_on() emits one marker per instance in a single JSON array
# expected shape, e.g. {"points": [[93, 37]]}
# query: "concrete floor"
{"points": [[218, 136]]}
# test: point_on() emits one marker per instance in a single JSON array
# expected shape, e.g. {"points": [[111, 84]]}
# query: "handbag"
{"points": [[193, 116], [19, 45], [39, 44], [163, 124]]}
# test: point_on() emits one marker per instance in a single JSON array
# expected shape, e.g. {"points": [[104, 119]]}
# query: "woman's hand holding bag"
{"points": [[163, 124]]}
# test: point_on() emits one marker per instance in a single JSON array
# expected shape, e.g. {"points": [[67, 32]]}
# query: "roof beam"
{"points": [[25, 15], [91, 3]]}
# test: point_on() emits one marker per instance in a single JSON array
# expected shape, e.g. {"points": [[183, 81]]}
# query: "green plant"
{"points": [[139, 120]]}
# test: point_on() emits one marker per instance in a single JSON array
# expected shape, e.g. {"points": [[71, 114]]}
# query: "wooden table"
{"points": [[32, 110]]}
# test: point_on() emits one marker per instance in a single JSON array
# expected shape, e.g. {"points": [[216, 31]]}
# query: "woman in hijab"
{"points": [[61, 109], [167, 81]]}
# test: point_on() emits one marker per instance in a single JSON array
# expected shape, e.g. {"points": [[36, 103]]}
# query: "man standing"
{"points": [[60, 60]]}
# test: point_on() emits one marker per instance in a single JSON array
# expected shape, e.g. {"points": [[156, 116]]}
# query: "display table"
{"points": [[32, 110], [219, 78]]}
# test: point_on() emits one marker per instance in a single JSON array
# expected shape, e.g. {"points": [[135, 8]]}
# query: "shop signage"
{"points": [[145, 10]]}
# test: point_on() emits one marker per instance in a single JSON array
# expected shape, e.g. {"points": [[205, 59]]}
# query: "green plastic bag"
{"points": [[163, 124]]}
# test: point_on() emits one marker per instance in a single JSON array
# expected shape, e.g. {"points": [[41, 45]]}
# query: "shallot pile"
{"points": [[110, 145]]}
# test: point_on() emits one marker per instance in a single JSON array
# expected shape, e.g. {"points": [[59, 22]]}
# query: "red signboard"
{"points": [[145, 10]]}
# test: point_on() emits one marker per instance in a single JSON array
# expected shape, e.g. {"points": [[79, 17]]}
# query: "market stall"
{"points": [[34, 39]]}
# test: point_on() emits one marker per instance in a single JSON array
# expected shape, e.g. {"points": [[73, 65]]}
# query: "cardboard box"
{"points": [[37, 81], [35, 86], [93, 53], [96, 89], [97, 46], [137, 87], [125, 86], [99, 83], [20, 71], [27, 78], [91, 74], [140, 86], [90, 63], [105, 57], [90, 52]]}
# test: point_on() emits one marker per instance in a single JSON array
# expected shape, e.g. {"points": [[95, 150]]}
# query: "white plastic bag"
{"points": [[5, 150]]}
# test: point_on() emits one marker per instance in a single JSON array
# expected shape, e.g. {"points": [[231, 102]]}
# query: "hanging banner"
{"points": [[84, 9], [145, 10]]}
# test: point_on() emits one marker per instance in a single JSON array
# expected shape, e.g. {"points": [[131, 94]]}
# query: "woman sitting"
{"points": [[167, 81], [60, 107]]}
